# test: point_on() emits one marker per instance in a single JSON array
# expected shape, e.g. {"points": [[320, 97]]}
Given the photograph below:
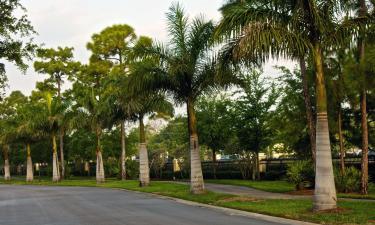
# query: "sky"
{"points": [[71, 23]]}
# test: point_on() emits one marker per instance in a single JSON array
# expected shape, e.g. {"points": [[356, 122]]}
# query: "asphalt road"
{"points": [[40, 205]]}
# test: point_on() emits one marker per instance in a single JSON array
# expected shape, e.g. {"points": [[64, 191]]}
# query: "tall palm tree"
{"points": [[289, 28], [91, 107], [58, 64], [185, 71], [25, 132], [153, 104], [48, 121]]}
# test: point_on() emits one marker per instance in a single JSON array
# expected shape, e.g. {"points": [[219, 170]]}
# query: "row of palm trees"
{"points": [[129, 78]]}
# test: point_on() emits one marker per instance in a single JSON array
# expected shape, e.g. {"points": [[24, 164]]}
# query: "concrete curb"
{"points": [[228, 211]]}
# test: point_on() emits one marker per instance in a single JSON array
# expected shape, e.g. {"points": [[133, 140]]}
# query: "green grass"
{"points": [[355, 212], [371, 193], [281, 186], [278, 186]]}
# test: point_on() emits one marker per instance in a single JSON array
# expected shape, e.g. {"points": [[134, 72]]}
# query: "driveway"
{"points": [[42, 205]]}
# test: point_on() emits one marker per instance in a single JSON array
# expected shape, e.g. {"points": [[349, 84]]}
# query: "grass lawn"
{"points": [[354, 212], [281, 186]]}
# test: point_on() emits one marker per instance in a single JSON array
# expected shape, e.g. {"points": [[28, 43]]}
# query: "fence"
{"points": [[271, 169]]}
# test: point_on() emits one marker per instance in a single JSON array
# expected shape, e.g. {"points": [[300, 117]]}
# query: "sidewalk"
{"points": [[250, 192], [255, 193]]}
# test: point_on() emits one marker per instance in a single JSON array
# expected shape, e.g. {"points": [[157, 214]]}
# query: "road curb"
{"points": [[229, 211]]}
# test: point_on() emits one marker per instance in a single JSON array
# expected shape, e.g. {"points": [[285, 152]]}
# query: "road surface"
{"points": [[42, 205]]}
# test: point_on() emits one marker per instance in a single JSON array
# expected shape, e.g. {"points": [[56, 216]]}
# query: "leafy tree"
{"points": [[123, 56], [8, 123], [58, 64], [214, 123], [15, 29], [253, 115], [289, 119], [92, 111]]}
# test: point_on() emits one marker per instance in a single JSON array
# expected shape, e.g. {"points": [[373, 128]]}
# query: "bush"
{"points": [[301, 173], [349, 181], [132, 169], [111, 167]]}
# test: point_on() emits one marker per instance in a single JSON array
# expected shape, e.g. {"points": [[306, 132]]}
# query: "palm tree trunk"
{"points": [[309, 112], [123, 151], [325, 192], [100, 177], [6, 163], [55, 161], [61, 137], [196, 175], [29, 169], [144, 170], [361, 60], [341, 140]]}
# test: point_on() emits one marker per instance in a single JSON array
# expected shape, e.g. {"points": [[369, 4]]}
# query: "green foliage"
{"points": [[289, 119], [300, 173], [214, 121], [15, 31], [349, 181], [253, 112]]}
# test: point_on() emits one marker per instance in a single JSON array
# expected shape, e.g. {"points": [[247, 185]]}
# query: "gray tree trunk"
{"points": [[325, 191], [309, 111], [55, 168], [6, 170], [341, 141], [144, 170], [100, 177], [196, 179], [123, 151], [61, 141], [196, 175], [29, 170]]}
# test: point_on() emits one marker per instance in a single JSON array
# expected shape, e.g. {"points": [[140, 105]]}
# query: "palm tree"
{"points": [[48, 121], [92, 109], [289, 28], [185, 71], [114, 43], [8, 122], [58, 64], [153, 104], [26, 133]]}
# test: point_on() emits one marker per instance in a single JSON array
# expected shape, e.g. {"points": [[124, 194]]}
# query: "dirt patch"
{"points": [[301, 192], [239, 199]]}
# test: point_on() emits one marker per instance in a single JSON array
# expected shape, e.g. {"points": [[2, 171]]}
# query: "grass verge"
{"points": [[281, 186], [353, 212]]}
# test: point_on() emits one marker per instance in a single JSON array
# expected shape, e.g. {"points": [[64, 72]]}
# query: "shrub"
{"points": [[111, 167], [349, 181], [301, 173], [132, 169]]}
